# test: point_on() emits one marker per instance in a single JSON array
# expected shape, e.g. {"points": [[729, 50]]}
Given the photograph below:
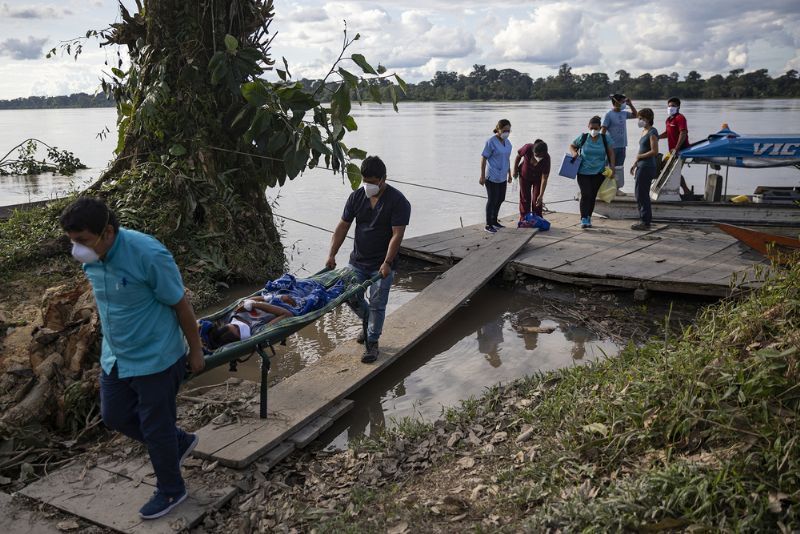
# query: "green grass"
{"points": [[695, 431]]}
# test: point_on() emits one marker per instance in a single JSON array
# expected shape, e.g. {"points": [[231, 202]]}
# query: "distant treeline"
{"points": [[509, 84], [76, 100]]}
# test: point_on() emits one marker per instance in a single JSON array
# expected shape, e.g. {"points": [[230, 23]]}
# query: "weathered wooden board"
{"points": [[571, 250], [661, 257], [16, 520], [316, 427], [307, 394], [681, 259], [113, 500], [716, 261]]}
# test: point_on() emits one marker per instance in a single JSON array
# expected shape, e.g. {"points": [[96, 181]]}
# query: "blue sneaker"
{"points": [[498, 226], [585, 222], [490, 229], [160, 505], [590, 221], [186, 446]]}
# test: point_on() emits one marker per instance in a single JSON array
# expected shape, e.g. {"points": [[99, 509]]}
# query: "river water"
{"points": [[426, 144]]}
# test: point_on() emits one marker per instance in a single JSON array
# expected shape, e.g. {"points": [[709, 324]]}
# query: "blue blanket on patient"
{"points": [[309, 295]]}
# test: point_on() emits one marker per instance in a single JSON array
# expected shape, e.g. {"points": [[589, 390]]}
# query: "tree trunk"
{"points": [[182, 172]]}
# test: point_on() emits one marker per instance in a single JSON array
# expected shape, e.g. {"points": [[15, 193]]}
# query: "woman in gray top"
{"points": [[645, 167]]}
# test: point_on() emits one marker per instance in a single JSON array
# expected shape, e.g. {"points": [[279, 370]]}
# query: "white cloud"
{"points": [[33, 11], [552, 34], [406, 40], [30, 48]]}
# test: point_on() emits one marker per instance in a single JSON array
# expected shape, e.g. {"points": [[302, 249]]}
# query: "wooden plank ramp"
{"points": [[672, 258], [299, 399], [110, 498]]}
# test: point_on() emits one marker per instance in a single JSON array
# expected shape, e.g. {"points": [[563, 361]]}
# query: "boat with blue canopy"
{"points": [[766, 206]]}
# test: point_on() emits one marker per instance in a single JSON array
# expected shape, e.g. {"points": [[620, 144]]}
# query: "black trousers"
{"points": [[644, 178], [496, 194], [589, 185]]}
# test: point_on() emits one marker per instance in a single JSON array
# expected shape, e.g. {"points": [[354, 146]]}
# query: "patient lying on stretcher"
{"points": [[254, 311], [284, 297]]}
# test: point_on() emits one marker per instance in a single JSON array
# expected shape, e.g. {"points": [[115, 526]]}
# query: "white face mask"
{"points": [[594, 133], [641, 123], [504, 135], [371, 189], [84, 254], [672, 110], [623, 107]]}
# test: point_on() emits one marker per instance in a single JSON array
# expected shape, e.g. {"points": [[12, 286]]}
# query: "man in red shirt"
{"points": [[676, 133]]}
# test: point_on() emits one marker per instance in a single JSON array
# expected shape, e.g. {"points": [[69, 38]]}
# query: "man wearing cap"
{"points": [[614, 123]]}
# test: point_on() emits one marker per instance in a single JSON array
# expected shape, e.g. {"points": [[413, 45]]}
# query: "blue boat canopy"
{"points": [[728, 148]]}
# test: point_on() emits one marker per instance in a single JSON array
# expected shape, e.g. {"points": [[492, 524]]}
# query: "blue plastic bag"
{"points": [[531, 220]]}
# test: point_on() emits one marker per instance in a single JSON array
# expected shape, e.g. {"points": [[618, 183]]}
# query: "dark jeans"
{"points": [[590, 185], [496, 193], [644, 178], [528, 193], [143, 408]]}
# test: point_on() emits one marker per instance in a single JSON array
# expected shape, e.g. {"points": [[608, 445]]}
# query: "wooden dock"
{"points": [[308, 394], [670, 258]]}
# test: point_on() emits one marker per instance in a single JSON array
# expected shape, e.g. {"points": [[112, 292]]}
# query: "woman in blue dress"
{"points": [[496, 156]]}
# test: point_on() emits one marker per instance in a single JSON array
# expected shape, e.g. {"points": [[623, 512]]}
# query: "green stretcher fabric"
{"points": [[277, 332]]}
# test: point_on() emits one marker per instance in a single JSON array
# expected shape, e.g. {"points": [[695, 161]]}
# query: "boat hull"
{"points": [[698, 212]]}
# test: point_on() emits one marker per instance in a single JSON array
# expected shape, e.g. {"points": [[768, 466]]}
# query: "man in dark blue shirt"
{"points": [[381, 213]]}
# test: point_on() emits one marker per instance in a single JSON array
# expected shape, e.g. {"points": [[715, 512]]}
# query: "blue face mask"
{"points": [[623, 107]]}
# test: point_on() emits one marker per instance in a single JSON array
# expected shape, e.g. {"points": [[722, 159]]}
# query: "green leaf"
{"points": [[219, 73], [340, 103], [354, 175], [375, 93], [393, 95], [244, 115], [260, 124], [231, 43], [281, 74], [215, 60], [177, 150], [252, 55], [338, 130], [596, 428], [381, 69], [362, 62], [255, 93], [356, 153], [117, 72], [348, 78], [350, 124], [317, 144], [403, 85], [286, 67]]}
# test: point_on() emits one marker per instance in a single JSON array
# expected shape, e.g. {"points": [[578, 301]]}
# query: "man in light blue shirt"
{"points": [[145, 315], [615, 124]]}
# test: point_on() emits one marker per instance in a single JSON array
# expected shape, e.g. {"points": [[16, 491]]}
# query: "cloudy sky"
{"points": [[418, 37]]}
